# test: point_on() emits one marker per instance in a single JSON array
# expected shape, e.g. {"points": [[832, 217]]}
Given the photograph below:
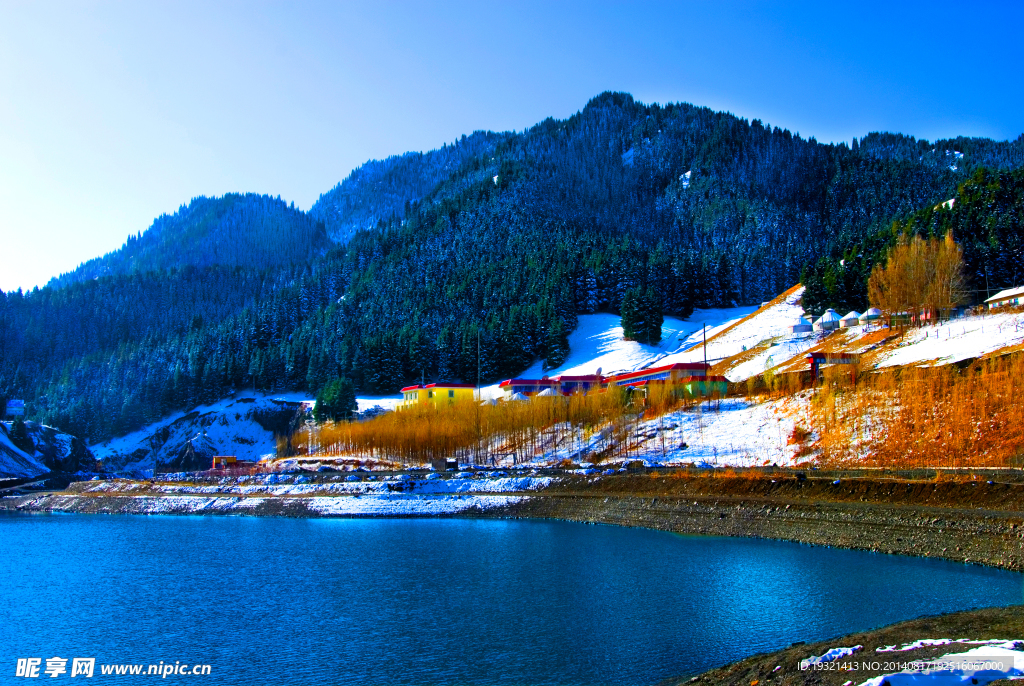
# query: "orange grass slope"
{"points": [[925, 417], [474, 433]]}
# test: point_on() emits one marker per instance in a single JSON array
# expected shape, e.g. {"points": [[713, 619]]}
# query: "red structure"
{"points": [[528, 387], [816, 361], [672, 373]]}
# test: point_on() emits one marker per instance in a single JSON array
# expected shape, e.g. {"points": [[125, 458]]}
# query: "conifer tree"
{"points": [[557, 345], [336, 402]]}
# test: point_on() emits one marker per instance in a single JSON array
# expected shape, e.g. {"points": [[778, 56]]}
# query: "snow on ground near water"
{"points": [[376, 505], [381, 505], [968, 667], [829, 656], [268, 486], [952, 668], [380, 498], [737, 434], [927, 642]]}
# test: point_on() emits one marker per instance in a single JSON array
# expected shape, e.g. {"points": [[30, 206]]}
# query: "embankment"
{"points": [[977, 521]]}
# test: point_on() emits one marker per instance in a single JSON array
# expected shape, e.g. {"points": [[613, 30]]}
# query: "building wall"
{"points": [[443, 396]]}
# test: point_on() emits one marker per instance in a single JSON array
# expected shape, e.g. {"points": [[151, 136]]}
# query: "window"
{"points": [[451, 394], [430, 394]]}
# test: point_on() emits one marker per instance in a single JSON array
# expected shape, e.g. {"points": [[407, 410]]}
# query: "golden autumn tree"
{"points": [[919, 275]]}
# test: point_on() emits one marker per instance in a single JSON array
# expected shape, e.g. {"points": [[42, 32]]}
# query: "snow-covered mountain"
{"points": [[245, 427], [52, 451]]}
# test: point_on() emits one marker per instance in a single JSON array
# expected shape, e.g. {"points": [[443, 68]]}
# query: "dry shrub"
{"points": [[474, 433], [928, 417], [798, 435]]}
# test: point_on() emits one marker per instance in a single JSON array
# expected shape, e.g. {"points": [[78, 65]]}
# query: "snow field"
{"points": [[948, 669], [386, 487]]}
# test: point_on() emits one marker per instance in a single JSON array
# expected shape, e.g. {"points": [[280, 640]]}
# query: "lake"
{"points": [[440, 601]]}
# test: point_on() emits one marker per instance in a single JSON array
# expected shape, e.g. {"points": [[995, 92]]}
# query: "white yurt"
{"points": [[871, 315], [851, 319], [546, 393], [828, 321], [801, 325]]}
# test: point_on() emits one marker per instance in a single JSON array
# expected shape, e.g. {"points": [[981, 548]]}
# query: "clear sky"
{"points": [[114, 113]]}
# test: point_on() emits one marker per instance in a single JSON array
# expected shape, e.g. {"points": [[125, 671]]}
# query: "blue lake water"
{"points": [[450, 601]]}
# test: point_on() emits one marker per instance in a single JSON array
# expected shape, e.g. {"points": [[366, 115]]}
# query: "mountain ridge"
{"points": [[410, 265]]}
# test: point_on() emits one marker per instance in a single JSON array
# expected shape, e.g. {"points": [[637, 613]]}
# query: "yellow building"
{"points": [[436, 393]]}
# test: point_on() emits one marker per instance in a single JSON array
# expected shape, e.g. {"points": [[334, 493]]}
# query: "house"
{"points": [[687, 378], [828, 321], [1007, 298], [412, 395], [570, 385], [672, 373], [851, 319], [872, 314], [709, 386], [223, 461], [801, 325], [819, 359], [436, 393], [526, 387]]}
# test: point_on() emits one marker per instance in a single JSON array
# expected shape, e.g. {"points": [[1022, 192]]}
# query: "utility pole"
{"points": [[704, 333]]}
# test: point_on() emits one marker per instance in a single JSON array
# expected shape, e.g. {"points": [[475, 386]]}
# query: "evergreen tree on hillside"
{"points": [[557, 345], [336, 402], [653, 317], [20, 437]]}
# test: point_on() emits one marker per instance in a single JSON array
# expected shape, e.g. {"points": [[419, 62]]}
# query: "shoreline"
{"points": [[973, 522]]}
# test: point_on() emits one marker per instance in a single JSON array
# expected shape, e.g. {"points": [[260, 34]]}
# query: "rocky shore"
{"points": [[978, 521]]}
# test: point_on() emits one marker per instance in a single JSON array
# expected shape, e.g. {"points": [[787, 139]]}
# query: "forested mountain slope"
{"points": [[383, 189], [251, 231], [986, 217], [500, 239]]}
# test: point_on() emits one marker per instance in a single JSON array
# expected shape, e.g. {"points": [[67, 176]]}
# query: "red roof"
{"points": [[527, 382], [411, 388], [679, 366], [689, 379], [586, 377], [449, 385]]}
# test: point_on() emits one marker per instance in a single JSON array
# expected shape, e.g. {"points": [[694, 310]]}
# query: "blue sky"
{"points": [[113, 113]]}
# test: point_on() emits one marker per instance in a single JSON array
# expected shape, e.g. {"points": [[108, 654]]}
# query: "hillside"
{"points": [[44, 449], [499, 242], [383, 189], [249, 231]]}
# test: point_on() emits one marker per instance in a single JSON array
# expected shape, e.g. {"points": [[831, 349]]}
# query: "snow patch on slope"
{"points": [[597, 343], [16, 463]]}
